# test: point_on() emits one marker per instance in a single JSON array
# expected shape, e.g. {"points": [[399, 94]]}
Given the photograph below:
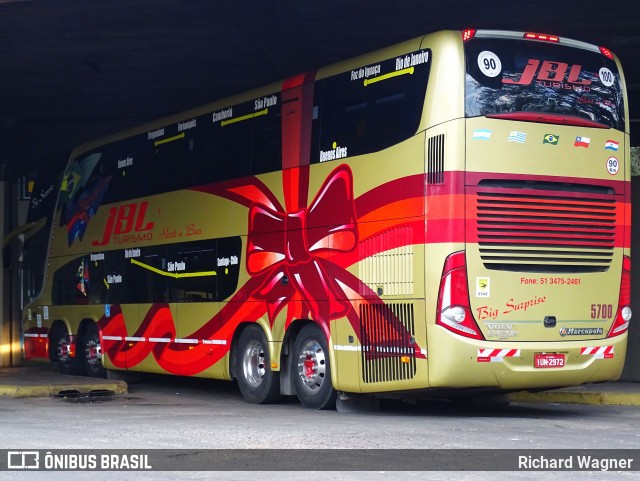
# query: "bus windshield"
{"points": [[513, 78]]}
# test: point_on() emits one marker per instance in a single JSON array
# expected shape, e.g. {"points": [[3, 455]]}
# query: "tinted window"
{"points": [[370, 108], [267, 138], [241, 140], [72, 283], [185, 272], [172, 165], [230, 139], [41, 206], [506, 76]]}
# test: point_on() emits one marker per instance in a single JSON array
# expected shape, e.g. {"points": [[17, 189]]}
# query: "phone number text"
{"points": [[550, 281]]}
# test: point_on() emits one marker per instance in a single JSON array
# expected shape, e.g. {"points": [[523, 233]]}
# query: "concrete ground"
{"points": [[36, 379]]}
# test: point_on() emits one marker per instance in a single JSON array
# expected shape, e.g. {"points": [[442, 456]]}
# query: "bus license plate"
{"points": [[541, 360]]}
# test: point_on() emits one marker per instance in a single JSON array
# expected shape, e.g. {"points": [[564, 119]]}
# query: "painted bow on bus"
{"points": [[297, 258]]}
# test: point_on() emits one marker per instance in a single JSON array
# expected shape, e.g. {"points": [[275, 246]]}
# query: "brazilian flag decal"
{"points": [[550, 139]]}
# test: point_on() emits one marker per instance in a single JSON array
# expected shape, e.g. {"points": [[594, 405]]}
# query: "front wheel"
{"points": [[91, 351], [257, 382], [312, 370]]}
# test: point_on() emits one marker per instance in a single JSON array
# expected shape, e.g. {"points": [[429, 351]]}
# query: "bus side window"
{"points": [[73, 283], [116, 280], [149, 286], [364, 115], [267, 142], [199, 260], [63, 292], [229, 253], [232, 150], [172, 166]]}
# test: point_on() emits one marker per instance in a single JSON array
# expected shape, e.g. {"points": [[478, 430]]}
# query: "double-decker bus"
{"points": [[450, 212]]}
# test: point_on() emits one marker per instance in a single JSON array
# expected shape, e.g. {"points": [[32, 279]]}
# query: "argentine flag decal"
{"points": [[481, 134]]}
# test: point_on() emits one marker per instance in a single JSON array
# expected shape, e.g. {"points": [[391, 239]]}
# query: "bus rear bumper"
{"points": [[457, 362]]}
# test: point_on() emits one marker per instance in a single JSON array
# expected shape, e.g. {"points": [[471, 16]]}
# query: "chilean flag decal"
{"points": [[582, 142]]}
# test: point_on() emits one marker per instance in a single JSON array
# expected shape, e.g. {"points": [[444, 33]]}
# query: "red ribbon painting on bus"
{"points": [[297, 258]]}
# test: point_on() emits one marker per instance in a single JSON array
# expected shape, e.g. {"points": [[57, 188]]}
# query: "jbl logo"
{"points": [[549, 71], [125, 219]]}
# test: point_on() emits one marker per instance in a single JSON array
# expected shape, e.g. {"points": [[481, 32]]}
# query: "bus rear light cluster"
{"points": [[623, 316], [454, 312], [468, 34], [606, 52], [541, 36]]}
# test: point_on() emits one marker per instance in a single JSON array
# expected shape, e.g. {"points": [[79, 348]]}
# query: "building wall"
{"points": [[632, 365]]}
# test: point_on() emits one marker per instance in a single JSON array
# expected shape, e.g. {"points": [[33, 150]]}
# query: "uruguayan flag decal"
{"points": [[516, 136]]}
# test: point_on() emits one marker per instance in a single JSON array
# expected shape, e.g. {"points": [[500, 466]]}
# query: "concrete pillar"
{"points": [[631, 370], [10, 330], [6, 334]]}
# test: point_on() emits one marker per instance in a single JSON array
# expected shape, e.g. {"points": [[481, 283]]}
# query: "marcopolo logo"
{"points": [[581, 331]]}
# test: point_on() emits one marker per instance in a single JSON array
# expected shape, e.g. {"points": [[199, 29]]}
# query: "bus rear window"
{"points": [[507, 76]]}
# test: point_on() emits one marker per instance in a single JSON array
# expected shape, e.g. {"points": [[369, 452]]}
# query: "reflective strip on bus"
{"points": [[602, 352], [112, 338], [220, 342], [496, 355]]}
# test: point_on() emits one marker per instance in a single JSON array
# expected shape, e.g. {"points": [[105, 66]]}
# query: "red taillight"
{"points": [[454, 311], [606, 52], [623, 315], [541, 36], [468, 34]]}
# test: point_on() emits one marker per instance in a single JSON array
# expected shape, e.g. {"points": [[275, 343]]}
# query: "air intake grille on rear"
{"points": [[385, 270], [388, 347], [435, 159], [548, 227]]}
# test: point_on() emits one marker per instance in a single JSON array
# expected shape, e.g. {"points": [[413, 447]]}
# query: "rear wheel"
{"points": [[257, 382], [60, 353], [311, 369], [92, 353]]}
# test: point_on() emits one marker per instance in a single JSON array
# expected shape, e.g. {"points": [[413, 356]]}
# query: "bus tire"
{"points": [[91, 352], [311, 369], [258, 383], [59, 354]]}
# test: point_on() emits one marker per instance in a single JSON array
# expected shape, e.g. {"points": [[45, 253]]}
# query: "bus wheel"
{"points": [[92, 353], [311, 370], [61, 355], [257, 382]]}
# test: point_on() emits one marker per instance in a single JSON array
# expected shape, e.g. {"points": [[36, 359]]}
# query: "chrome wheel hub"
{"points": [[93, 352], [64, 349], [312, 365], [253, 363]]}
